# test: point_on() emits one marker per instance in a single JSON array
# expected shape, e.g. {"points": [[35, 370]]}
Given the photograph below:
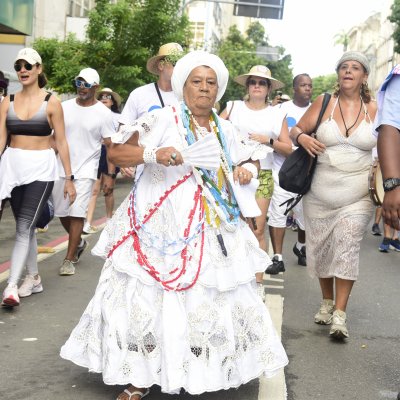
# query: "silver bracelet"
{"points": [[149, 156], [251, 168]]}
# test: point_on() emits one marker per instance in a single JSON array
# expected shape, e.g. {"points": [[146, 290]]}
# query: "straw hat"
{"points": [[164, 51], [115, 95], [262, 72]]}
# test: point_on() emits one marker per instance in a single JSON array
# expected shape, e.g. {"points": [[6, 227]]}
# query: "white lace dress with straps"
{"points": [[338, 208]]}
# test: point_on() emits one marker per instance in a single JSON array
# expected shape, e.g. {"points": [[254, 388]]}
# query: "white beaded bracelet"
{"points": [[149, 156], [252, 168]]}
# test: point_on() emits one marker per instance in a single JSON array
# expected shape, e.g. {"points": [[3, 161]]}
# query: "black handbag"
{"points": [[298, 168]]}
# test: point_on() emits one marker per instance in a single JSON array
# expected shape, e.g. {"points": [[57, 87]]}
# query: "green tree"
{"points": [[239, 54], [62, 61], [322, 84], [343, 39], [395, 19], [256, 34], [120, 39]]}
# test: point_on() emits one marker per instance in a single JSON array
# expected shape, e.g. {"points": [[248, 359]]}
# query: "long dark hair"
{"points": [[42, 80]]}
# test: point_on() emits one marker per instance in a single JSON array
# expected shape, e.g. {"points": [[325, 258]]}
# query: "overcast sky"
{"points": [[308, 28]]}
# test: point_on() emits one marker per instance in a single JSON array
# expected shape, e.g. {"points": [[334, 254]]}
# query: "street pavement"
{"points": [[366, 367]]}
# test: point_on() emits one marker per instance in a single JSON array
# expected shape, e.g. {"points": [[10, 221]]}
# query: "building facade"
{"points": [[373, 37]]}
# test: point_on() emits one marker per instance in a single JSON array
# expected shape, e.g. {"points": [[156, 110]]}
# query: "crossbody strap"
{"points": [[230, 111], [159, 94], [325, 102]]}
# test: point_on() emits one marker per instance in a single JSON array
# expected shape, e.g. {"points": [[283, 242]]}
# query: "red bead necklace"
{"points": [[142, 259]]}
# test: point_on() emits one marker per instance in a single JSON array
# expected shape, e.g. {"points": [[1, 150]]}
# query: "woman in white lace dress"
{"points": [[338, 208], [176, 304]]}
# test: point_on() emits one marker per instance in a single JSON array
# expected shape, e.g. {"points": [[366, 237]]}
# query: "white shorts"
{"points": [[276, 213], [79, 207]]}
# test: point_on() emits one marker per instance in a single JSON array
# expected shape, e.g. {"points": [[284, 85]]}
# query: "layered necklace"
{"points": [[344, 122], [216, 182]]}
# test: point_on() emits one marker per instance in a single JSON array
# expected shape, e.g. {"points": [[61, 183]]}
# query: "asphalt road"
{"points": [[366, 367]]}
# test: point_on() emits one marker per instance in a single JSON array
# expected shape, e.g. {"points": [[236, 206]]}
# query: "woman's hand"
{"points": [[311, 145], [108, 185], [69, 189], [128, 171], [242, 175], [259, 138], [169, 156]]}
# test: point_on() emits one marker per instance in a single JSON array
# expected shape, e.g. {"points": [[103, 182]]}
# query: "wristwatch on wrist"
{"points": [[69, 177], [390, 184], [271, 142], [112, 175]]}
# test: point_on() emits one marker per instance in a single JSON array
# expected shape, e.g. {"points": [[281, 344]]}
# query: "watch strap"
{"points": [[390, 184]]}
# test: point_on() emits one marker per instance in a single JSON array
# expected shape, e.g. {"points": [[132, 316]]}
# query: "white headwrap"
{"points": [[194, 59]]}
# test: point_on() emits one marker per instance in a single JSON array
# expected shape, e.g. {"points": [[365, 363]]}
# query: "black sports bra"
{"points": [[36, 126]]}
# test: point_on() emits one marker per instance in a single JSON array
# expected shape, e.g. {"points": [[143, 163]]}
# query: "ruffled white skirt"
{"points": [[20, 167], [216, 335]]}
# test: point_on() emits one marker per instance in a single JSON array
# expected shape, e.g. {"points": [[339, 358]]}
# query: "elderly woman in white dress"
{"points": [[176, 304]]}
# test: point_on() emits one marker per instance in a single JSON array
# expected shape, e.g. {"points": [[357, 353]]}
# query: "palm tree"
{"points": [[343, 39]]}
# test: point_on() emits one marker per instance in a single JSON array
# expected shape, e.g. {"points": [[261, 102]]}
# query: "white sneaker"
{"points": [[10, 296], [261, 291], [339, 328], [30, 285], [89, 229], [325, 313], [67, 268]]}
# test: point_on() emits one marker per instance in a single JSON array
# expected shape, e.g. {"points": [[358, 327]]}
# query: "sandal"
{"points": [[135, 393]]}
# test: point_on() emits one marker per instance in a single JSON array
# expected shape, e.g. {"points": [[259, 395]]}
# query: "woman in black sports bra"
{"points": [[28, 166]]}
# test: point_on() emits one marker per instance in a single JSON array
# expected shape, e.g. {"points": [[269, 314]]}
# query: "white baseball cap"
{"points": [[30, 55], [90, 75]]}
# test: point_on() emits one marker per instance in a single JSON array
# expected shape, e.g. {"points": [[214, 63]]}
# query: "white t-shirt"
{"points": [[85, 127], [143, 100], [267, 121], [293, 115]]}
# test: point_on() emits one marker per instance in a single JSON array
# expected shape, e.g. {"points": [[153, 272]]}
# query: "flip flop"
{"points": [[136, 393]]}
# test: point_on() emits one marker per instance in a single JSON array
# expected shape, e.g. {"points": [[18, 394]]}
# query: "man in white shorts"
{"points": [[302, 92], [153, 95], [88, 122]]}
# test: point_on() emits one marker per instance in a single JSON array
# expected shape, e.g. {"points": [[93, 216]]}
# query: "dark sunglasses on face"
{"points": [[105, 97], [27, 66], [2, 91], [254, 82], [82, 84]]}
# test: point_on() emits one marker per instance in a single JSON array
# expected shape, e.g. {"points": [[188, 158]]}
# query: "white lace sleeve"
{"points": [[142, 125]]}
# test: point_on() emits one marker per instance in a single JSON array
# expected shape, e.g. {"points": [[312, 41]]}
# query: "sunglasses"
{"points": [[82, 84], [27, 66], [254, 82], [2, 91], [105, 97]]}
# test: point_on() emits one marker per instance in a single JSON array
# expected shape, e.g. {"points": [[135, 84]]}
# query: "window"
{"points": [[80, 8]]}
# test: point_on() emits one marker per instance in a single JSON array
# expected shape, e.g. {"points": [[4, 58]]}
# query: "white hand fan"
{"points": [[205, 153]]}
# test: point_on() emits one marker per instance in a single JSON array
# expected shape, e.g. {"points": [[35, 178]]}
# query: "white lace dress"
{"points": [[216, 335], [338, 208]]}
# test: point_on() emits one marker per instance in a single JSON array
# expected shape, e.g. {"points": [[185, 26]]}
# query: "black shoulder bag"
{"points": [[298, 168]]}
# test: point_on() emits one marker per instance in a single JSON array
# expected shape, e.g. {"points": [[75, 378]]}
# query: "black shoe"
{"points": [[276, 267], [301, 255], [375, 230]]}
